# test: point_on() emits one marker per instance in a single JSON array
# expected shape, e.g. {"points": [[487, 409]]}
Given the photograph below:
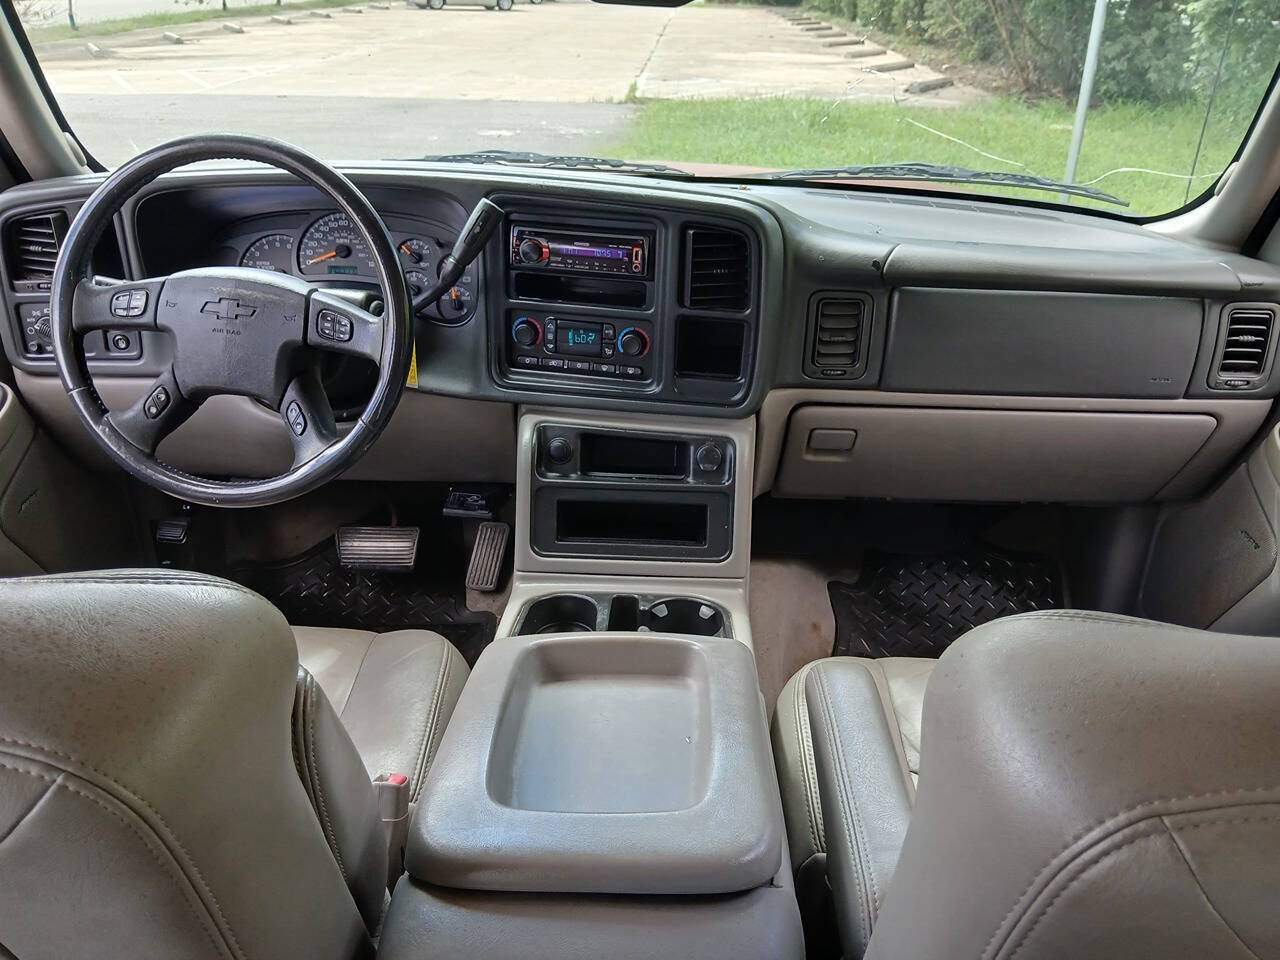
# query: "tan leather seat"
{"points": [[1089, 785], [874, 708], [394, 692], [173, 784]]}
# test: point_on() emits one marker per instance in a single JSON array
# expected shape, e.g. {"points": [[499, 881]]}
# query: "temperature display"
{"points": [[583, 339]]}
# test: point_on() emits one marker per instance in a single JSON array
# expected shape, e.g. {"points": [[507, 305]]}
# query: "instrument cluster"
{"points": [[329, 247]]}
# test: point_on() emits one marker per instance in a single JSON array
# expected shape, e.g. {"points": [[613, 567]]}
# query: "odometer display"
{"points": [[332, 245]]}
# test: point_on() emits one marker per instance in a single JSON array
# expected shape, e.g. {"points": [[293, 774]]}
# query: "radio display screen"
{"points": [[583, 339]]}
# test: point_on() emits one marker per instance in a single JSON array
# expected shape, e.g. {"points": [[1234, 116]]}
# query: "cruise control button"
{"points": [[297, 420], [157, 403], [120, 304]]}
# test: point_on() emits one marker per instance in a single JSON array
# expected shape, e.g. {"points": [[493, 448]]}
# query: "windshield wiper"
{"points": [[944, 173], [522, 158]]}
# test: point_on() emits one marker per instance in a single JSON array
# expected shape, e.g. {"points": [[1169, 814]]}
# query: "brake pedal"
{"points": [[377, 548], [487, 554]]}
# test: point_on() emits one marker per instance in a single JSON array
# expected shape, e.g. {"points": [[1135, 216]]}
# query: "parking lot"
{"points": [[558, 76]]}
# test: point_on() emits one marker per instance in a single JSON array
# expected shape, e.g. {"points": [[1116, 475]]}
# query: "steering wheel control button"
{"points": [[121, 343], [334, 326], [157, 403], [297, 419], [129, 303]]}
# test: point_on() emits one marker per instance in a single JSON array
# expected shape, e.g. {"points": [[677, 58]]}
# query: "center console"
{"points": [[600, 795], [605, 786]]}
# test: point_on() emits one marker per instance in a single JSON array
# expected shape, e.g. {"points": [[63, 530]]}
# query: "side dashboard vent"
{"points": [[717, 269], [32, 246], [836, 349], [1246, 344]]}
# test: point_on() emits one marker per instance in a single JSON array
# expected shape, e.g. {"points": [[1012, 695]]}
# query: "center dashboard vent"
{"points": [[717, 273], [32, 246], [1246, 344], [835, 347]]}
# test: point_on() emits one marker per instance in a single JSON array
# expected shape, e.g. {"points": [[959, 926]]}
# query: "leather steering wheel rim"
{"points": [[393, 343]]}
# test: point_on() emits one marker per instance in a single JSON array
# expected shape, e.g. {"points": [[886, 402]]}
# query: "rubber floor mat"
{"points": [[315, 590], [904, 606]]}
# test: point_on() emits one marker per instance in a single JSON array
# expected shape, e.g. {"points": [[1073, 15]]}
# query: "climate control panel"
{"points": [[594, 347]]}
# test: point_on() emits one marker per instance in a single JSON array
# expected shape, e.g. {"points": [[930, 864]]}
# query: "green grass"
{"points": [[179, 15], [801, 132]]}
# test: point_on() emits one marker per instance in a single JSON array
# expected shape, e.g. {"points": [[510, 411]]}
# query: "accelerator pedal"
{"points": [[377, 548], [487, 555]]}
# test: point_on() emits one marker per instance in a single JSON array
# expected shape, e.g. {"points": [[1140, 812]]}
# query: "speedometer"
{"points": [[333, 247], [272, 252]]}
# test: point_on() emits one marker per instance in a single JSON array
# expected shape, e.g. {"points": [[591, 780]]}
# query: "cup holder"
{"points": [[562, 613], [622, 613], [683, 615]]}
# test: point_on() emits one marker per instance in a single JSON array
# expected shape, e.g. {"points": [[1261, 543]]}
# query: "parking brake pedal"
{"points": [[487, 555], [377, 548]]}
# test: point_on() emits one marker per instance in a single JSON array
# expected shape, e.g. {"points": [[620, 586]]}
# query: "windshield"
{"points": [[1139, 104]]}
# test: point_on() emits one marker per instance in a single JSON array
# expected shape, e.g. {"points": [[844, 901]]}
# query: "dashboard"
{"points": [[886, 345]]}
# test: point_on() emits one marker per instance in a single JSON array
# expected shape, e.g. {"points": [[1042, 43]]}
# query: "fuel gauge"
{"points": [[456, 305]]}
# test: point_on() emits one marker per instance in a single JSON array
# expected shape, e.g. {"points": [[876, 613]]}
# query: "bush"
{"points": [[1153, 51]]}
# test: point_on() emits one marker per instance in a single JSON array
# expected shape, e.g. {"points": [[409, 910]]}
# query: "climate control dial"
{"points": [[633, 342], [526, 331]]}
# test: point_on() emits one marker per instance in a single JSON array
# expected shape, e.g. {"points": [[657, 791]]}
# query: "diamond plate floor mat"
{"points": [[904, 606], [315, 590]]}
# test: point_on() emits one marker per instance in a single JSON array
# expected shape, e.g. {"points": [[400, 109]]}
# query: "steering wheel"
{"points": [[237, 331]]}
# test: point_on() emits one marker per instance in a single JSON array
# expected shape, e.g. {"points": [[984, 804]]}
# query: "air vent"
{"points": [[1245, 343], [33, 247], [717, 269], [837, 335]]}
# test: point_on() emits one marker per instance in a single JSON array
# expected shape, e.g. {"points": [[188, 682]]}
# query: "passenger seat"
{"points": [[394, 692], [1088, 785]]}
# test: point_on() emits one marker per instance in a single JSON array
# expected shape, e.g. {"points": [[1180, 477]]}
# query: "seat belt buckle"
{"points": [[392, 793]]}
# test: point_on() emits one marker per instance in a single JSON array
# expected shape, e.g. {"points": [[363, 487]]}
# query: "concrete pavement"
{"points": [[395, 82]]}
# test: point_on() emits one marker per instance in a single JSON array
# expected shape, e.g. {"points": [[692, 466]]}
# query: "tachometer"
{"points": [[272, 252], [332, 247]]}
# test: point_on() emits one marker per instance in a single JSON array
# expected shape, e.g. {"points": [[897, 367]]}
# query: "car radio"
{"points": [[574, 251], [603, 348]]}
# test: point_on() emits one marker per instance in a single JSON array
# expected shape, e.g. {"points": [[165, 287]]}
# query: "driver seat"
{"points": [[173, 784]]}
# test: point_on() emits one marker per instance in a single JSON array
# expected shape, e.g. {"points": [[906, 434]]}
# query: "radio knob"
{"points": [[633, 343], [526, 332], [531, 250]]}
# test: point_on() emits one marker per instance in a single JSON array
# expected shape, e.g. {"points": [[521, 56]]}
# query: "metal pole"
{"points": [[1086, 90]]}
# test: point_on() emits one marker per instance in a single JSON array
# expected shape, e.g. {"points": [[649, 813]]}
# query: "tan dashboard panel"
{"points": [[985, 455], [430, 437]]}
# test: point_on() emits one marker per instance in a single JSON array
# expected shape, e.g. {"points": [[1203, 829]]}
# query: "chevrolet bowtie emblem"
{"points": [[225, 308]]}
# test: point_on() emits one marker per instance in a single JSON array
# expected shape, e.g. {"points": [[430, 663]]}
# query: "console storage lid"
{"points": [[603, 763]]}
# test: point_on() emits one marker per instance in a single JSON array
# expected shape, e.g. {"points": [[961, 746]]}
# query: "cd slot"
{"points": [[589, 291]]}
